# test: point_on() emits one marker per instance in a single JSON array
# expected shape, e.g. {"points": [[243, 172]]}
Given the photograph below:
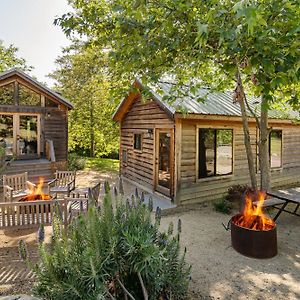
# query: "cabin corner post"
{"points": [[177, 160]]}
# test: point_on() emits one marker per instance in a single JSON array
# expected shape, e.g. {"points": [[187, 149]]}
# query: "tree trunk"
{"points": [[263, 146], [92, 131], [247, 140]]}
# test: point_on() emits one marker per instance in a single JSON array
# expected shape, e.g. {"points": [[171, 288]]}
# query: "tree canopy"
{"points": [[202, 40], [247, 46], [81, 77], [9, 58]]}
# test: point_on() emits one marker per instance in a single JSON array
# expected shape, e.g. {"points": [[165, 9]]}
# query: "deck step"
{"points": [[36, 168]]}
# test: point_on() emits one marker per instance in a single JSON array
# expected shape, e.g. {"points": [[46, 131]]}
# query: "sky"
{"points": [[28, 25]]}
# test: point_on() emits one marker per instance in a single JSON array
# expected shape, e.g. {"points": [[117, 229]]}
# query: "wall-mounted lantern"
{"points": [[150, 133]]}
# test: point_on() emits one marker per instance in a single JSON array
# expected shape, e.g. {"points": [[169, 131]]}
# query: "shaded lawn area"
{"points": [[102, 164]]}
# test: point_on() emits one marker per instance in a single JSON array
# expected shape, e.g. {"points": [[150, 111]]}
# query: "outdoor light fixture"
{"points": [[150, 132]]}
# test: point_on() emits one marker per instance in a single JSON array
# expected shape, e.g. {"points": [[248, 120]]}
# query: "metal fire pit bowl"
{"points": [[253, 243]]}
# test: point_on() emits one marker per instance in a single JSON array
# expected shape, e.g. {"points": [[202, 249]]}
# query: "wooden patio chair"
{"points": [[16, 186], [81, 199], [64, 183]]}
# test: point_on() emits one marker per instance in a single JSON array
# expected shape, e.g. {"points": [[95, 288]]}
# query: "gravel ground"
{"points": [[218, 271]]}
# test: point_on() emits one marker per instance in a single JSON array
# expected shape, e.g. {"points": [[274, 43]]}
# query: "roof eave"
{"points": [[117, 116], [15, 71]]}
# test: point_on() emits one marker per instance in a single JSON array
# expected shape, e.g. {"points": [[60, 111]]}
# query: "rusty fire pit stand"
{"points": [[252, 243]]}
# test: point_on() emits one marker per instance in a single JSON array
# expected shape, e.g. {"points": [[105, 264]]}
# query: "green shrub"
{"points": [[223, 206], [110, 251], [236, 193], [75, 162]]}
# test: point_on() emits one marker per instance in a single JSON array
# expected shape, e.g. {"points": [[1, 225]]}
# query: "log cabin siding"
{"points": [[56, 129], [53, 120], [193, 190], [140, 117]]}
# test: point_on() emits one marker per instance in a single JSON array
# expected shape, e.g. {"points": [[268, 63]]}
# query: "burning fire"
{"points": [[253, 217], [36, 193]]}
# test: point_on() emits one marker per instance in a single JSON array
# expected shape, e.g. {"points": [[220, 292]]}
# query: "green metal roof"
{"points": [[207, 102]]}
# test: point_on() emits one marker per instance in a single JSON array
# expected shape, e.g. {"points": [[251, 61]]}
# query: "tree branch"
{"points": [[125, 290], [252, 112], [145, 293], [111, 296]]}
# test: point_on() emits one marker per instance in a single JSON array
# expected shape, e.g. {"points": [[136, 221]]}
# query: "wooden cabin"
{"points": [[33, 120], [194, 151]]}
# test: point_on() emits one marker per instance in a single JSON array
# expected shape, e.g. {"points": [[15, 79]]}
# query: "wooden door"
{"points": [[164, 161]]}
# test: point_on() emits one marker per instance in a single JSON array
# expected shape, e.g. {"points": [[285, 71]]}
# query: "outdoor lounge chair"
{"points": [[16, 186], [64, 183], [81, 199]]}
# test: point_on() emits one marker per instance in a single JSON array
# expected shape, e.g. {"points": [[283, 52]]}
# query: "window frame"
{"points": [[133, 142], [214, 177], [24, 86], [13, 93], [281, 148], [269, 150]]}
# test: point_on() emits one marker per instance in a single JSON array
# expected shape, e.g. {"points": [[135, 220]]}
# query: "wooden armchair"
{"points": [[16, 187], [81, 199], [63, 183]]}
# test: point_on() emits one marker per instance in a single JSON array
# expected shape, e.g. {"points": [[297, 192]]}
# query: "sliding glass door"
{"points": [[27, 137], [7, 134], [19, 135]]}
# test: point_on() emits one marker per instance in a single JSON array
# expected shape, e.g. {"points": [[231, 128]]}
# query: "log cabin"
{"points": [[193, 151], [33, 122]]}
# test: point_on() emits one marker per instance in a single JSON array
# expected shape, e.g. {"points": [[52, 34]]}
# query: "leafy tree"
{"points": [[249, 46], [81, 77], [9, 59]]}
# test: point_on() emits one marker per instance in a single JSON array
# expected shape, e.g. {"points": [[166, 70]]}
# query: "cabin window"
{"points": [[215, 152], [50, 103], [137, 143], [6, 134], [7, 94], [28, 96], [124, 156], [275, 148]]}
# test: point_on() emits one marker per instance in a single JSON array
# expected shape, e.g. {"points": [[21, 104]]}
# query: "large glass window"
{"points": [[50, 103], [275, 148], [6, 134], [7, 94], [27, 138], [215, 152], [28, 97]]}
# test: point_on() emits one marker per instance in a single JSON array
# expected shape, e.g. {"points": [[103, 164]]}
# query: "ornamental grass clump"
{"points": [[113, 253]]}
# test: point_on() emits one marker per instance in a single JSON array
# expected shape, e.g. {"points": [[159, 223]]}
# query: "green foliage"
{"points": [[223, 206], [81, 76], [102, 164], [109, 248], [203, 40], [76, 162], [9, 59], [201, 43], [236, 193]]}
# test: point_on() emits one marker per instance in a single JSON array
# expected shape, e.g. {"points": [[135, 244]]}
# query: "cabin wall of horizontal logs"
{"points": [[139, 165], [141, 118], [190, 189]]}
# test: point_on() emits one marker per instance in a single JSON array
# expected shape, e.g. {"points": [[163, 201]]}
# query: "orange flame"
{"points": [[253, 217], [37, 193]]}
